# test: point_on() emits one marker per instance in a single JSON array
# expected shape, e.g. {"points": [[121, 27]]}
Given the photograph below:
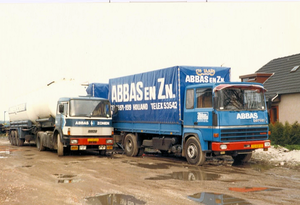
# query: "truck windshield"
{"points": [[90, 108], [244, 98]]}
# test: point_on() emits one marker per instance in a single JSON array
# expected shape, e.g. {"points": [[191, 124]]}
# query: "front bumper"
{"points": [[91, 143], [246, 145]]}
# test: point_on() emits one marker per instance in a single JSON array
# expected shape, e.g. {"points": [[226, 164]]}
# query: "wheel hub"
{"points": [[192, 151], [129, 145]]}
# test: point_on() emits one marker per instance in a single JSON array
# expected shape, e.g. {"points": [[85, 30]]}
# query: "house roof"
{"points": [[285, 78]]}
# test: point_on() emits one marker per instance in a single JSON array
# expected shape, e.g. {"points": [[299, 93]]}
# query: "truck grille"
{"points": [[248, 134]]}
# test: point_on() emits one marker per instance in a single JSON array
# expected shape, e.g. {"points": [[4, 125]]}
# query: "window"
{"points": [[189, 99], [204, 97], [65, 104], [90, 108], [294, 69], [241, 98]]}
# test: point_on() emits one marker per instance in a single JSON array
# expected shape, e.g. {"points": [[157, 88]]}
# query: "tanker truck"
{"points": [[62, 117], [190, 111]]}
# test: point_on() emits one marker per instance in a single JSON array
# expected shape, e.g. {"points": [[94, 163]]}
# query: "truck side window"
{"points": [[189, 99], [204, 97]]}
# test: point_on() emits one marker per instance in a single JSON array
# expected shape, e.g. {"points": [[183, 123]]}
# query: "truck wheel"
{"points": [[39, 144], [60, 146], [130, 145], [20, 142], [11, 137], [16, 142], [242, 158], [193, 152]]}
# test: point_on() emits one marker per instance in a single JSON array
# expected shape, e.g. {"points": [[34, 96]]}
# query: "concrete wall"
{"points": [[289, 108]]}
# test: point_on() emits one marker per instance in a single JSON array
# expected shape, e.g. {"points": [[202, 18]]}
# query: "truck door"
{"points": [[199, 111], [62, 112]]}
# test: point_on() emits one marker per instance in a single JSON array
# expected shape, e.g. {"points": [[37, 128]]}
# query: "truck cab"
{"points": [[81, 123], [224, 118]]}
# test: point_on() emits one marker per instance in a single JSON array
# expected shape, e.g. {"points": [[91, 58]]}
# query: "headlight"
{"points": [[223, 146], [102, 147], [74, 141], [267, 144], [109, 141], [82, 147]]}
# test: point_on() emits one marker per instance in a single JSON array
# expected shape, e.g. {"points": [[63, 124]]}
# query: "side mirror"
{"points": [[61, 108]]}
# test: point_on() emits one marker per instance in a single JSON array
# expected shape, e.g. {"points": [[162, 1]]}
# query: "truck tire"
{"points": [[130, 145], [16, 138], [60, 146], [242, 158], [19, 141], [193, 152], [11, 138], [39, 143]]}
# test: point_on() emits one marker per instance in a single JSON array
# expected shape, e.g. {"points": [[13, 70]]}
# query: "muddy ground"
{"points": [[28, 176]]}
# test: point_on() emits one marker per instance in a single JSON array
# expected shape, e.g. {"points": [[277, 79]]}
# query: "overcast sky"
{"points": [[93, 42]]}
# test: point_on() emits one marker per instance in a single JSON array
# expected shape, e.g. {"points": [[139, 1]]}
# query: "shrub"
{"points": [[286, 134]]}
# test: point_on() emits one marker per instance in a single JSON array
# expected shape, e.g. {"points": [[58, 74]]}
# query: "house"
{"points": [[281, 78]]}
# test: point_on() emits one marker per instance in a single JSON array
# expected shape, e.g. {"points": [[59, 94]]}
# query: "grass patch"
{"points": [[289, 147], [292, 147]]}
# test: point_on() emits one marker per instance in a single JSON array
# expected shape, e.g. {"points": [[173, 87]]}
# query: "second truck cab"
{"points": [[227, 118]]}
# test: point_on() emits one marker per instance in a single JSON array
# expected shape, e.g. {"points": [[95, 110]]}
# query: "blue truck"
{"points": [[195, 112]]}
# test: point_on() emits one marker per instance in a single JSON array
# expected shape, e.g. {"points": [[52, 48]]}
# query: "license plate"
{"points": [[93, 140], [74, 148], [257, 146]]}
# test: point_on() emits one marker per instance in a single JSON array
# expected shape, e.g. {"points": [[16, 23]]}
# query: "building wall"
{"points": [[289, 108]]}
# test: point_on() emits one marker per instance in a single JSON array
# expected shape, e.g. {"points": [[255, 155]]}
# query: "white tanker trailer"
{"points": [[54, 120]]}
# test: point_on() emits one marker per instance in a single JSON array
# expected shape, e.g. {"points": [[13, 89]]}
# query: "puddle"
{"points": [[150, 165], [234, 180], [113, 199], [252, 189], [70, 163], [27, 166], [68, 181], [260, 167], [66, 178], [187, 176], [209, 198], [3, 154]]}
